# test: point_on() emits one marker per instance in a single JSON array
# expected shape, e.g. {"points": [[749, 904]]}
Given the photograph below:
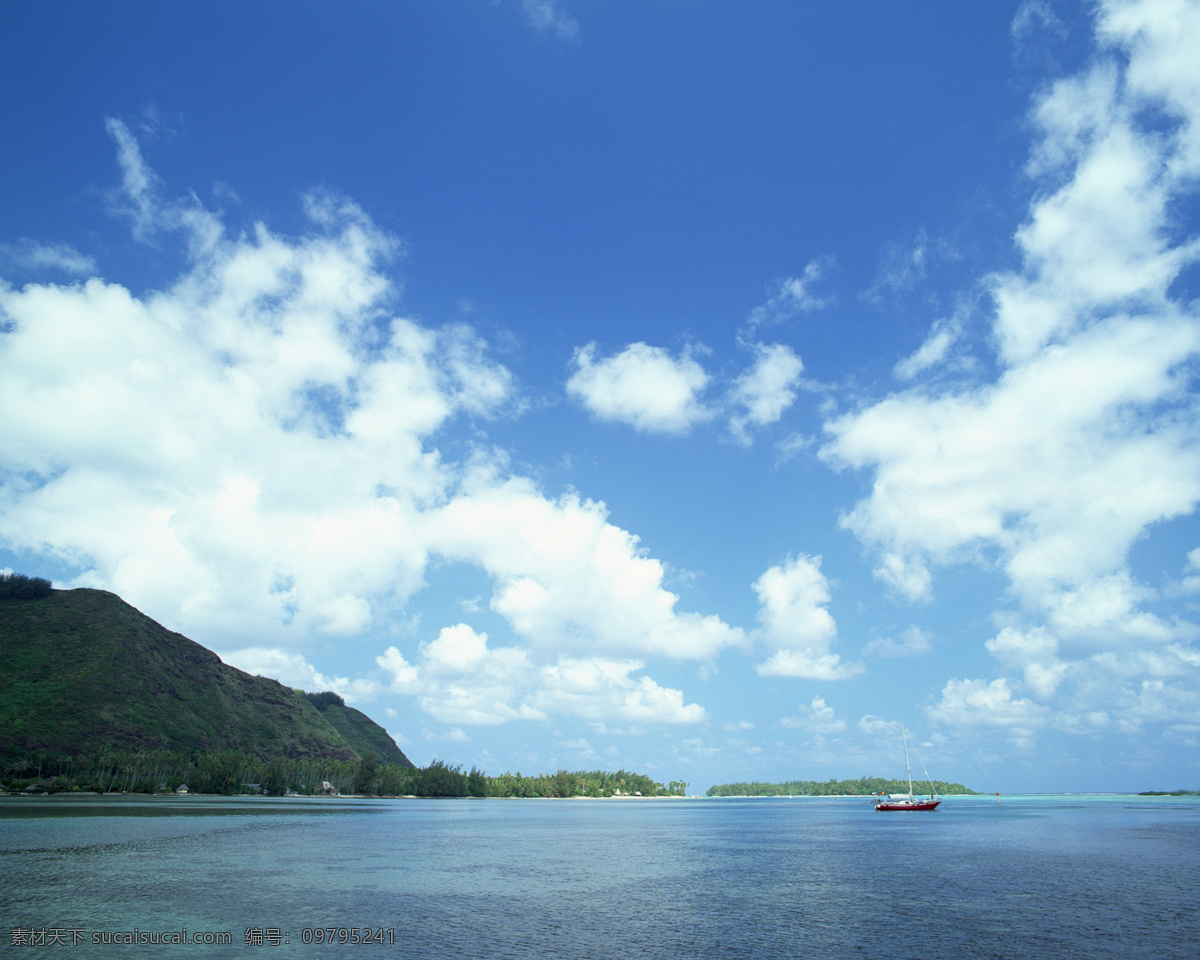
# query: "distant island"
{"points": [[1169, 793], [97, 697], [862, 787]]}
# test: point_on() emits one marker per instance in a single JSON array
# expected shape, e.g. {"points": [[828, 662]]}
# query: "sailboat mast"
{"points": [[907, 763]]}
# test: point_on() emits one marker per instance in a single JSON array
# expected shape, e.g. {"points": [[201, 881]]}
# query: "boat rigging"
{"points": [[908, 801]]}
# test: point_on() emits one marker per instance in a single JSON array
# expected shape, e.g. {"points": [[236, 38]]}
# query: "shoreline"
{"points": [[184, 797], [257, 797]]}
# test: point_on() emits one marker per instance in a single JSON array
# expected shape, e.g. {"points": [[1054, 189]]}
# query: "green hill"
{"points": [[363, 734], [83, 671]]}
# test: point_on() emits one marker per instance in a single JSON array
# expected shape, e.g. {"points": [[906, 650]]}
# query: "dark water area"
{"points": [[1045, 877]]}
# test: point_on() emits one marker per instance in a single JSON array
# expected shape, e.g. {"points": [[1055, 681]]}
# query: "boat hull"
{"points": [[889, 805]]}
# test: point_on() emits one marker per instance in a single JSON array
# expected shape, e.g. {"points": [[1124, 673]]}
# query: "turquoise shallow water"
{"points": [[1052, 877]]}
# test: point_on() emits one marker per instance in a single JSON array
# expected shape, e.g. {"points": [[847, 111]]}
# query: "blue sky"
{"points": [[703, 389]]}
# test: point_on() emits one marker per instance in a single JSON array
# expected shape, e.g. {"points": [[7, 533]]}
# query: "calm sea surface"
{"points": [[1037, 877]]}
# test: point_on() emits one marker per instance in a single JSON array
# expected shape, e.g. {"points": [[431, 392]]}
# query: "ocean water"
{"points": [[1036, 877]]}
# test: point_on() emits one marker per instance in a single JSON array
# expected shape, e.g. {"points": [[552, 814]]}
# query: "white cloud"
{"points": [[28, 254], [603, 690], [1161, 40], [979, 703], [1189, 583], [651, 390], [1034, 16], [459, 679], [1104, 611], [643, 386], [139, 200], [765, 391], [879, 728], [1090, 432], [1090, 689], [1035, 652], [695, 748], [447, 735], [795, 622], [908, 576], [255, 431], [566, 579], [934, 351], [547, 17], [913, 642], [245, 453], [293, 670], [405, 676], [793, 295], [793, 445], [1061, 463], [816, 718], [907, 264], [1160, 702]]}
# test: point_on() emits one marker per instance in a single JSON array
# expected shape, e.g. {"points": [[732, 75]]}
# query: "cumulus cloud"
{"points": [[243, 450], [795, 622], [816, 718], [598, 689], [980, 703], [649, 389], [1061, 463], [642, 386], [459, 679], [1090, 431], [246, 453], [567, 579], [1035, 652], [762, 394], [293, 670], [879, 728], [1189, 583]]}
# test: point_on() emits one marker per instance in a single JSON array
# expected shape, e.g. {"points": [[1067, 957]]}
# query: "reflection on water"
{"points": [[1044, 877], [135, 805]]}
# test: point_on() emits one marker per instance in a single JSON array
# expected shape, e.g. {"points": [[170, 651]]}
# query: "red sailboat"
{"points": [[907, 801]]}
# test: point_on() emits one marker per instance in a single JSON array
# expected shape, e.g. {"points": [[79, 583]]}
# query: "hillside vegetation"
{"points": [[82, 672], [357, 729], [862, 787], [21, 587], [96, 696], [229, 772]]}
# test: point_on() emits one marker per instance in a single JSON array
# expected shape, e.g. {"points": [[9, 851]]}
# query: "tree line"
{"points": [[231, 772], [323, 699], [862, 787], [17, 586], [585, 783]]}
